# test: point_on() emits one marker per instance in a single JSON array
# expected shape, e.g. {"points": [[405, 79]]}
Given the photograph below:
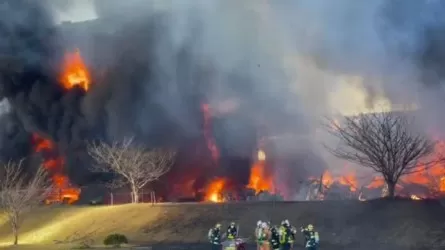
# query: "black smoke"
{"points": [[415, 32], [30, 54], [132, 94]]}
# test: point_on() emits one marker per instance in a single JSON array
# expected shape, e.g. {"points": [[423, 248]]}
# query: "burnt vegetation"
{"points": [[386, 142]]}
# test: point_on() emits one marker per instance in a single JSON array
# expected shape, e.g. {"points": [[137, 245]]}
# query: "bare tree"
{"points": [[385, 142], [134, 164], [20, 193]]}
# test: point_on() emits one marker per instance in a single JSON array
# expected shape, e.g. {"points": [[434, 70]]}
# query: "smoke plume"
{"points": [[274, 66]]}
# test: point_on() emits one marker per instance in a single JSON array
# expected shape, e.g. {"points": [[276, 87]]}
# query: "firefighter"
{"points": [[274, 238], [215, 237], [286, 237], [266, 233], [232, 231], [293, 231], [261, 236], [257, 232], [311, 237]]}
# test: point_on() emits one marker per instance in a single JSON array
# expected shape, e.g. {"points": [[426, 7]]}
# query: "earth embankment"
{"points": [[379, 224]]}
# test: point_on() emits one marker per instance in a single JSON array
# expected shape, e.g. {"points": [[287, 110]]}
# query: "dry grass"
{"points": [[73, 224], [408, 223], [56, 247]]}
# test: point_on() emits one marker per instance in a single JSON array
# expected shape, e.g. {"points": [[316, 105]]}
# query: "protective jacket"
{"points": [[286, 235], [232, 232], [311, 239], [274, 238], [260, 234], [215, 236]]}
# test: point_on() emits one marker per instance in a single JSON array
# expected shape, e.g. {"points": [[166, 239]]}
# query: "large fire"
{"points": [[431, 178], [260, 179], [54, 163], [215, 189], [75, 72]]}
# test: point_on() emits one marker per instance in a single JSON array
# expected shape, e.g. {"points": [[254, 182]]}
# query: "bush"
{"points": [[115, 240]]}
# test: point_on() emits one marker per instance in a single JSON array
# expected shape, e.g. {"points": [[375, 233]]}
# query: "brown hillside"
{"points": [[402, 223]]}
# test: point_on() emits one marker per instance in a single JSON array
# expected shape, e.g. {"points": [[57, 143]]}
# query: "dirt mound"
{"points": [[400, 224]]}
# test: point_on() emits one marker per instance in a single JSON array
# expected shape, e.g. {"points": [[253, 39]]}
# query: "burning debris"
{"points": [[260, 179], [422, 184], [63, 191], [214, 190], [75, 72]]}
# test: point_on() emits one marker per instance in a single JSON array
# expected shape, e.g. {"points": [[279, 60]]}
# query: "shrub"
{"points": [[115, 240]]}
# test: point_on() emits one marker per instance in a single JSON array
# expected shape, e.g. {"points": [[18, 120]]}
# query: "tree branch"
{"points": [[385, 142]]}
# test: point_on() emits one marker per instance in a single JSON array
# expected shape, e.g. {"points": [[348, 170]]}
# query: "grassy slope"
{"points": [[409, 223]]}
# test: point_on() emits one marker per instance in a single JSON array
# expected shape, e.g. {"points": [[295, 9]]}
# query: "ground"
{"points": [[355, 225]]}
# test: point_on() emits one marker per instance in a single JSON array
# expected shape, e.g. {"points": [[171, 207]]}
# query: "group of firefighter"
{"points": [[268, 237]]}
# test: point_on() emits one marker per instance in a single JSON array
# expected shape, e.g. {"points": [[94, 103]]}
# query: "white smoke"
{"points": [[72, 11]]}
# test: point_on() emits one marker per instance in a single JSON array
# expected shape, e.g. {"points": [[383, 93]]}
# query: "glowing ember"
{"points": [[415, 197], [442, 184], [75, 73], [260, 179], [54, 165], [261, 155], [327, 180], [214, 190]]}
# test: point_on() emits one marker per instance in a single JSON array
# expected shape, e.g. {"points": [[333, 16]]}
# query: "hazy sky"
{"points": [[79, 10]]}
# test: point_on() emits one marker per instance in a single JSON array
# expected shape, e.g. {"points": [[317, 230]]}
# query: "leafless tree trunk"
{"points": [[385, 142], [134, 164], [19, 194]]}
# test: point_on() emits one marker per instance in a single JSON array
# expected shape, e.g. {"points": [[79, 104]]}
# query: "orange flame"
{"points": [[75, 73], [54, 165], [214, 190], [259, 179], [377, 182], [349, 179]]}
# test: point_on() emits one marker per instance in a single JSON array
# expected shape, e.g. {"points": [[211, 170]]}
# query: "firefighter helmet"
{"points": [[310, 227]]}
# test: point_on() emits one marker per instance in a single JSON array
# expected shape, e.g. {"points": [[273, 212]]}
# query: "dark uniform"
{"points": [[215, 237], [232, 231], [286, 236], [274, 239], [311, 238]]}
